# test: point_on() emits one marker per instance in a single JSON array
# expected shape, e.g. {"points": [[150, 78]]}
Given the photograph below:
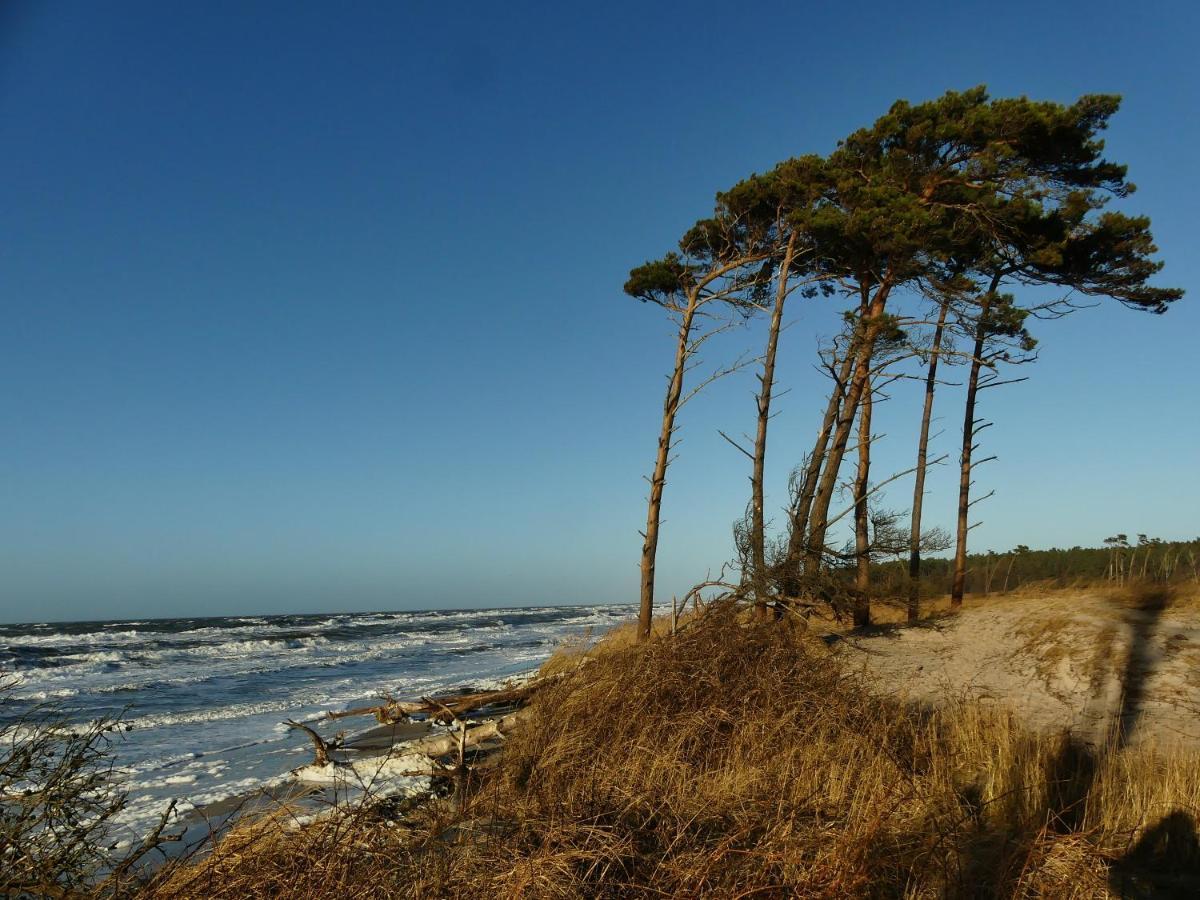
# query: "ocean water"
{"points": [[206, 697]]}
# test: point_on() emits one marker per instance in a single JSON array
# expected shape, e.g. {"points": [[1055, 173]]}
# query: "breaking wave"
{"points": [[202, 700]]}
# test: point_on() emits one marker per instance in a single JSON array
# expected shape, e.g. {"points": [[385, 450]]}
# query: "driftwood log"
{"points": [[443, 709], [321, 747], [447, 709], [438, 745]]}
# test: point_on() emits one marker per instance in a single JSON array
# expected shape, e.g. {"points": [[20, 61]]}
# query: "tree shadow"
{"points": [[1071, 777], [1144, 609], [1165, 862], [891, 630]]}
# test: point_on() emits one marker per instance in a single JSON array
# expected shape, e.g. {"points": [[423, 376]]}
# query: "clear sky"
{"points": [[317, 306]]}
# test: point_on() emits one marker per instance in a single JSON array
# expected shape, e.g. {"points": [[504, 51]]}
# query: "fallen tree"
{"points": [[442, 709], [438, 745], [423, 756]]}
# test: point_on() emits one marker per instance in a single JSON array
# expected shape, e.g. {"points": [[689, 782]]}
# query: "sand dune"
{"points": [[1097, 664]]}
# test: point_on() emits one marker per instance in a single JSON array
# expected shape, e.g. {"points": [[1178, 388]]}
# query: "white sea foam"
{"points": [[59, 640], [112, 672]]}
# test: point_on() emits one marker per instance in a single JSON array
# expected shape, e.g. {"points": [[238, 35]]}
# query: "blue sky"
{"points": [[313, 306]]}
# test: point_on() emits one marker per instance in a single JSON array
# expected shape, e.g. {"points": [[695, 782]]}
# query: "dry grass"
{"points": [[569, 655], [1149, 596], [742, 760], [1179, 595]]}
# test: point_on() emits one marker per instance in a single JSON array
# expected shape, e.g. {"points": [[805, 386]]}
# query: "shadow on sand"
{"points": [[1165, 860]]}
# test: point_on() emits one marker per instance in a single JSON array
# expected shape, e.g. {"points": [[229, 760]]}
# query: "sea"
{"points": [[203, 700]]}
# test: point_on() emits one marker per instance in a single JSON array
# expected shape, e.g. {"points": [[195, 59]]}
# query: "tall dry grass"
{"points": [[736, 759]]}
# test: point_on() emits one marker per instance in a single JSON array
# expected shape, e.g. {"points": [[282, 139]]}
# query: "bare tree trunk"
{"points": [[968, 444], [819, 517], [862, 537], [662, 460], [758, 539], [812, 472], [1012, 559], [914, 553]]}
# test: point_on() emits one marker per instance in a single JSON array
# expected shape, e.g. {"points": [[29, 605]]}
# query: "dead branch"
{"points": [[321, 747], [736, 366], [461, 769], [152, 841], [878, 487], [695, 595], [736, 445]]}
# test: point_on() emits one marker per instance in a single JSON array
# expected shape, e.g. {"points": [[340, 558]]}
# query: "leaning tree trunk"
{"points": [[914, 552], [968, 445], [862, 537], [819, 517], [662, 460], [758, 539], [812, 472]]}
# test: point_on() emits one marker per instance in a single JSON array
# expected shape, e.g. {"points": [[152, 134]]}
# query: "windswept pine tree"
{"points": [[999, 335], [787, 197], [1052, 229], [966, 186], [958, 198], [873, 528], [721, 260]]}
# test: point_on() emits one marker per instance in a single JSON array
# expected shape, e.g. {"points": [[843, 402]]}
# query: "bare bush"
{"points": [[58, 797]]}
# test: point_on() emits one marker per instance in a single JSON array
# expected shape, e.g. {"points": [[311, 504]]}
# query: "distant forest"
{"points": [[1121, 558]]}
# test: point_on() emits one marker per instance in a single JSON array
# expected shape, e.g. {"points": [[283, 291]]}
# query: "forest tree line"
{"points": [[1120, 560], [943, 232]]}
